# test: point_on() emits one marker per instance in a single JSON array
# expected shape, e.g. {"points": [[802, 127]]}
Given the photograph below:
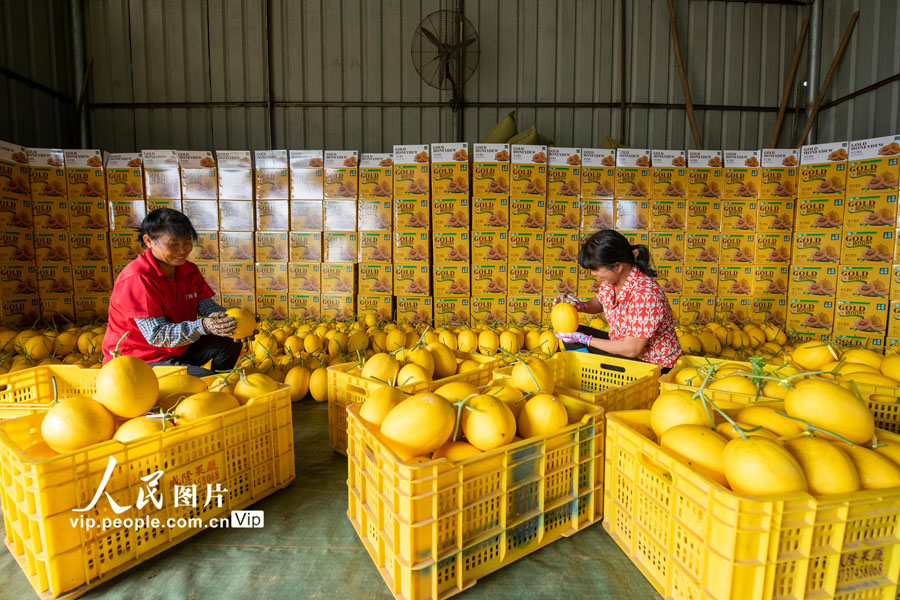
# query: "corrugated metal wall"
{"points": [[36, 44], [353, 51], [872, 55], [357, 52]]}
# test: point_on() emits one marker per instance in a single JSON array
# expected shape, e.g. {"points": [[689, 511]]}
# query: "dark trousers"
{"points": [[222, 351], [603, 336]]}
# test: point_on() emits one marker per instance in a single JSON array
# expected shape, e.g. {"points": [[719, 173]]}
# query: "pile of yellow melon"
{"points": [[458, 421]]}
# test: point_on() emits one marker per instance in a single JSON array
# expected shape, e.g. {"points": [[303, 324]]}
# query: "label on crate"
{"points": [[306, 306], [307, 174], [376, 176], [525, 280], [415, 310], [524, 310], [14, 180], [305, 246], [669, 173], [412, 279], [874, 210], [667, 214], [697, 310], [450, 247], [702, 248], [812, 281], [451, 311], [873, 165], [864, 281], [529, 171], [705, 174], [560, 248], [376, 278], [490, 173], [823, 169], [667, 247], [779, 173], [775, 215], [162, 176], [867, 246], [527, 247], [271, 245], [816, 247], [47, 174], [598, 174], [735, 280], [411, 214], [489, 280], [769, 280]]}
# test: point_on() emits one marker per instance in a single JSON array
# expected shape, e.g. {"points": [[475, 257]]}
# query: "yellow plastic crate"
{"points": [[29, 391], [248, 450], [345, 389], [887, 414], [434, 529], [693, 538], [614, 383]]}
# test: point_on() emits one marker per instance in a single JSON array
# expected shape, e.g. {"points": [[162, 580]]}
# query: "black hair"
{"points": [[166, 220], [608, 247]]}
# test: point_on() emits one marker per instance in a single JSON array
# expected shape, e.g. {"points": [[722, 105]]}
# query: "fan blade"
{"points": [[430, 36], [465, 44]]}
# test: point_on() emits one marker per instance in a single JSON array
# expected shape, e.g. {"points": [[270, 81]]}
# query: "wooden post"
{"points": [[789, 83], [834, 63], [685, 86]]}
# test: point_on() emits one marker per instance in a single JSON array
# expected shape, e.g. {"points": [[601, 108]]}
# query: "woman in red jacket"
{"points": [[166, 307]]}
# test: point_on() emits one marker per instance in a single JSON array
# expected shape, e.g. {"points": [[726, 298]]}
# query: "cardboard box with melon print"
{"points": [[668, 214], [274, 215], [305, 305], [875, 209], [870, 246], [415, 310], [449, 171], [588, 285], [669, 174], [272, 175], [18, 279], [893, 328], [491, 171], [701, 280], [560, 249], [412, 247], [704, 215], [452, 280], [90, 246], [199, 175], [873, 165], [58, 308], [14, 179], [737, 248], [598, 173], [735, 280], [123, 247], [871, 341], [450, 248], [702, 248], [203, 214], [742, 174], [821, 213], [706, 174], [381, 306], [490, 213], [272, 306], [697, 310], [775, 216], [823, 170], [895, 282], [375, 278], [235, 175], [634, 176], [738, 216], [855, 317], [304, 278], [376, 246], [563, 173], [780, 167], [524, 310], [305, 246], [49, 197], [733, 309], [341, 174], [271, 277], [162, 177], [340, 246], [667, 248], [864, 282], [773, 248], [91, 307], [670, 278], [810, 315], [338, 278], [210, 272], [529, 171], [633, 215], [525, 247], [245, 300], [308, 174], [525, 280], [560, 279], [236, 215], [770, 280], [86, 190], [412, 176], [597, 215], [376, 177], [237, 277], [16, 213], [768, 309], [816, 247], [452, 311], [813, 281], [412, 279], [272, 245], [52, 245], [450, 215], [489, 279], [237, 246], [337, 307]]}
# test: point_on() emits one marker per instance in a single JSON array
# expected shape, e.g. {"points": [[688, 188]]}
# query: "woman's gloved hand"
{"points": [[578, 304], [219, 324], [576, 337]]}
